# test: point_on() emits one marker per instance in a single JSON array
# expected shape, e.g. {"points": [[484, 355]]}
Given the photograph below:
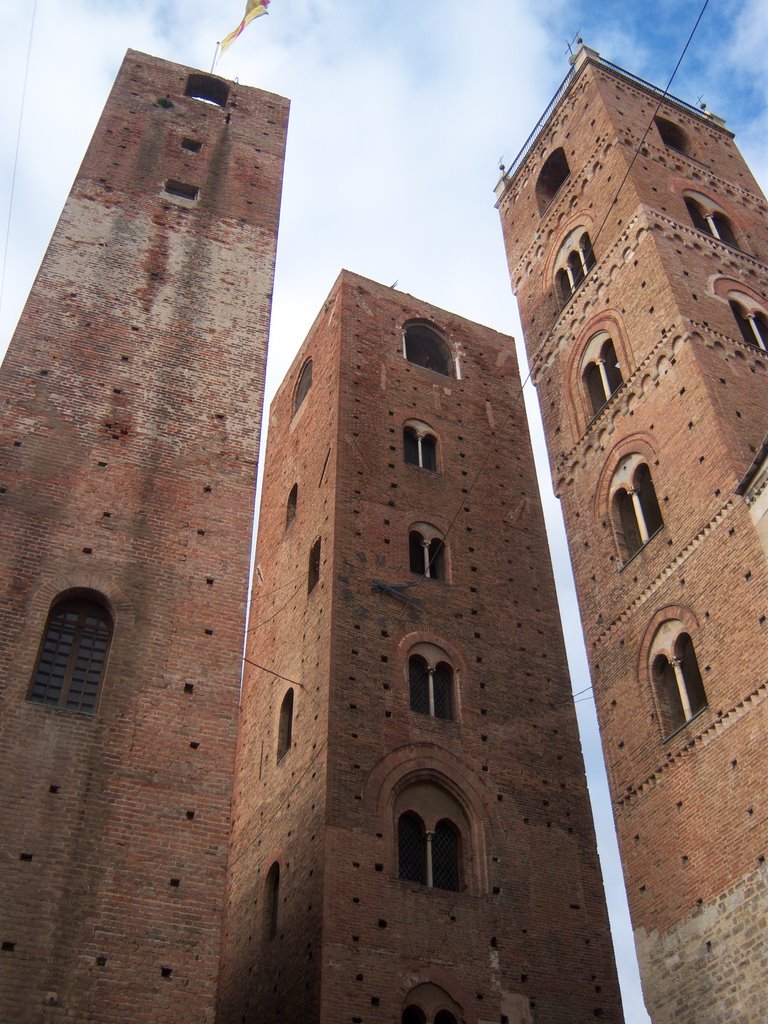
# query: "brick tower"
{"points": [[645, 321], [412, 837], [131, 400]]}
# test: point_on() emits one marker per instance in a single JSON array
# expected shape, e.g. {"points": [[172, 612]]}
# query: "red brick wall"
{"points": [[132, 397], [528, 927], [694, 405]]}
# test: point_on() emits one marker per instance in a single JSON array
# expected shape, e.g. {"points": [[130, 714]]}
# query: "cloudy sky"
{"points": [[400, 112]]}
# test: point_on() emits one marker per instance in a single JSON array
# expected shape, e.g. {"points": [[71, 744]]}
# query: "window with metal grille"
{"points": [[418, 677], [431, 687], [419, 449], [426, 556], [445, 857], [70, 665], [411, 848]]}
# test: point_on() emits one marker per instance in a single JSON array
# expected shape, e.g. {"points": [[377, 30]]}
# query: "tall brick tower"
{"points": [[412, 837], [131, 400], [644, 312]]}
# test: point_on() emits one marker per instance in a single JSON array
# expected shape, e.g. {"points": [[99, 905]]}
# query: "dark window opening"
{"points": [[723, 230], [672, 135], [411, 452], [436, 559], [70, 665], [416, 551], [578, 264], [595, 389], [551, 177], [679, 686], [419, 449], [314, 567], [285, 727], [191, 145], [418, 678], [637, 516], [563, 286], [425, 347], [207, 88], [413, 1015], [444, 1017], [305, 383], [428, 452], [648, 500], [445, 857], [290, 508], [272, 901], [628, 529], [442, 682], [181, 189], [411, 849], [697, 217]]}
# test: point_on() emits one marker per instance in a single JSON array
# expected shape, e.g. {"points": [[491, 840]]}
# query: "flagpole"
{"points": [[215, 55]]}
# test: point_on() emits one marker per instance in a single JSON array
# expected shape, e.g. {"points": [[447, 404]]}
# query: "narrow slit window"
{"points": [[314, 567], [285, 726]]}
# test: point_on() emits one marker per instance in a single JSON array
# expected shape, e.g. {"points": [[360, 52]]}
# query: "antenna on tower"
{"points": [[576, 39]]}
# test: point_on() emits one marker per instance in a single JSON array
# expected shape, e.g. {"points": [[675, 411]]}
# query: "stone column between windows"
{"points": [[712, 227], [752, 321], [681, 687], [418, 443], [429, 837], [639, 514], [569, 273], [431, 690], [604, 378], [425, 549], [584, 268]]}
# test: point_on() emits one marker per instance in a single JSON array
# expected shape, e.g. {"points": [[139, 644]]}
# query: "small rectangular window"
{"points": [[192, 145], [181, 190]]}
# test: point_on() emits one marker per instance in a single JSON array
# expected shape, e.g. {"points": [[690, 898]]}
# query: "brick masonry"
{"points": [[689, 806], [526, 938], [129, 428]]}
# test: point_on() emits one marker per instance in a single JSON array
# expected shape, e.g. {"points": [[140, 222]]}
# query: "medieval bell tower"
{"points": [[639, 262]]}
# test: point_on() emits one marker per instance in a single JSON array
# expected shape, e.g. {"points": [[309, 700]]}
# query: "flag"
{"points": [[253, 9]]}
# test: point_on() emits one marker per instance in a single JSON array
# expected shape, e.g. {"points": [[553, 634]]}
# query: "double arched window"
{"points": [[676, 676], [428, 1003], [430, 681], [752, 323], [424, 346], [706, 218], [426, 551], [574, 262], [430, 824], [552, 176], [70, 666], [419, 445], [601, 374], [635, 509]]}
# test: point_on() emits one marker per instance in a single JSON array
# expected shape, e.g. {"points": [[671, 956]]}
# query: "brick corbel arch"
{"points": [[643, 443], [610, 321], [723, 287]]}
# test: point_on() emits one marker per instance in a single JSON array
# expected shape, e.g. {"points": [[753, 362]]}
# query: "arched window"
{"points": [[272, 901], [427, 857], [290, 508], [285, 725], [313, 573], [208, 89], [425, 347], [305, 383], [602, 376], [677, 681], [413, 1015], [444, 1017], [672, 135], [411, 848], [710, 222], [73, 654], [426, 552], [635, 508], [430, 685], [551, 177], [752, 324], [575, 260], [419, 446]]}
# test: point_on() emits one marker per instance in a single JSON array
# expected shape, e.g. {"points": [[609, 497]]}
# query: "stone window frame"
{"points": [[434, 563], [574, 262], [68, 643], [677, 687], [444, 351], [433, 657], [639, 510], [421, 431], [709, 218]]}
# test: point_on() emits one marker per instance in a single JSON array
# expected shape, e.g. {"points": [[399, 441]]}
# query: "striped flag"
{"points": [[253, 9]]}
